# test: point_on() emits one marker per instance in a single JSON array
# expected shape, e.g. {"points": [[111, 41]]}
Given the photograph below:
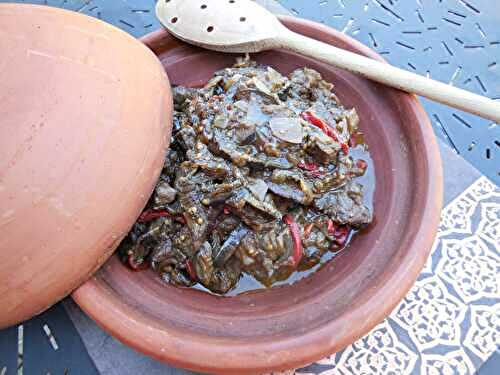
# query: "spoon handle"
{"points": [[391, 76]]}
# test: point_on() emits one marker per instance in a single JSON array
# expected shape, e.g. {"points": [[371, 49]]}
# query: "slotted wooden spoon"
{"points": [[241, 26]]}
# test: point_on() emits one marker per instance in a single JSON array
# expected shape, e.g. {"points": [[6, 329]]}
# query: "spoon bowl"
{"points": [[226, 25]]}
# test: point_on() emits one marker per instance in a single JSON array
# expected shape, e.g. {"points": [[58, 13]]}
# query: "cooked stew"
{"points": [[260, 180]]}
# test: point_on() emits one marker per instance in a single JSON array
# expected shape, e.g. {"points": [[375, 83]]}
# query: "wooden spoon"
{"points": [[243, 26]]}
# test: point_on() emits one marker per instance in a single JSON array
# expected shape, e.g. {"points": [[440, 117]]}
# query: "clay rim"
{"points": [[124, 323]]}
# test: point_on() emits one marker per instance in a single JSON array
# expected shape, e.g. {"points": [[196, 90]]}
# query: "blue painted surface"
{"points": [[492, 367], [8, 350], [66, 355]]}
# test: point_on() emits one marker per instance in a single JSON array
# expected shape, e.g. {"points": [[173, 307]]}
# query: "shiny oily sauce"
{"points": [[263, 183]]}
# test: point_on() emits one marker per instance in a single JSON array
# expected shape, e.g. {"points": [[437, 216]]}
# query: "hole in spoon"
{"points": [[204, 6], [243, 19], [210, 29], [231, 1], [174, 20]]}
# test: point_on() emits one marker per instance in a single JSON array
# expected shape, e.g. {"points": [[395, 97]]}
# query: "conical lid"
{"points": [[85, 118]]}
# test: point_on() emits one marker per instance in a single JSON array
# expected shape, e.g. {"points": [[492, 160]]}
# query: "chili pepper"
{"points": [[341, 235], [360, 163], [316, 121], [327, 129], [308, 166], [311, 167], [297, 241], [134, 265], [341, 240], [191, 270], [307, 229], [150, 215], [331, 227]]}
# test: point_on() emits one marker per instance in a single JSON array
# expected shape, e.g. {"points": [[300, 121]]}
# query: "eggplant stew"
{"points": [[261, 180]]}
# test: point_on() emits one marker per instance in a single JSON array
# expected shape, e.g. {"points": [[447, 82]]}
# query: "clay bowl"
{"points": [[85, 118], [291, 326]]}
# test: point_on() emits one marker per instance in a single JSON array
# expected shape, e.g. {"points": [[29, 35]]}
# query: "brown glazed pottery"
{"points": [[85, 117], [290, 326]]}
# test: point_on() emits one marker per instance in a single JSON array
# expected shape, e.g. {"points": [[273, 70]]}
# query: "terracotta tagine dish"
{"points": [[256, 332]]}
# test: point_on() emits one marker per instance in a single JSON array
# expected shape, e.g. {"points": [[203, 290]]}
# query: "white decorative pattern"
{"points": [[470, 267], [484, 334], [379, 352], [462, 274], [481, 189], [452, 363], [457, 216], [489, 226], [430, 314]]}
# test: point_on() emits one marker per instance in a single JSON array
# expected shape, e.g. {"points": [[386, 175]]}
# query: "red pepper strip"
{"points": [[331, 227], [136, 266], [341, 235], [341, 230], [308, 166], [297, 241], [327, 129], [190, 269], [307, 229], [227, 210], [316, 121], [345, 147], [311, 167], [361, 164], [150, 215]]}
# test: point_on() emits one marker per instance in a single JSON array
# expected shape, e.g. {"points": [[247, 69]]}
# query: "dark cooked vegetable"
{"points": [[258, 181], [231, 244]]}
